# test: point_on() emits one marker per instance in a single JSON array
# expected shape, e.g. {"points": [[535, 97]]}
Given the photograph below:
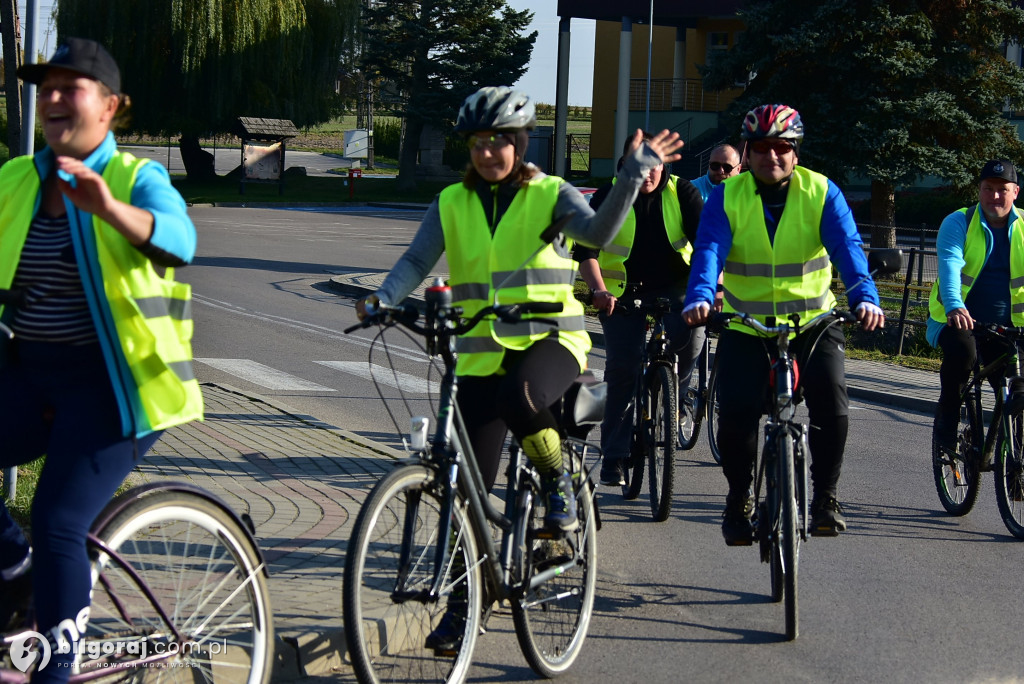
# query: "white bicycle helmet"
{"points": [[496, 108]]}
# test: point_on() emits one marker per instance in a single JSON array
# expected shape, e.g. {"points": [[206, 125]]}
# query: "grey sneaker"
{"points": [[561, 501]]}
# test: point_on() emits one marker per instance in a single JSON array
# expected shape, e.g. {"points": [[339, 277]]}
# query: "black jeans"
{"points": [[743, 391], [959, 351]]}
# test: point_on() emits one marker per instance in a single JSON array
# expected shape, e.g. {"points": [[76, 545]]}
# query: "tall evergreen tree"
{"points": [[194, 66], [436, 52], [891, 90]]}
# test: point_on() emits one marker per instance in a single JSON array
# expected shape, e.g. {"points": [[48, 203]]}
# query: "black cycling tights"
{"points": [[518, 400]]}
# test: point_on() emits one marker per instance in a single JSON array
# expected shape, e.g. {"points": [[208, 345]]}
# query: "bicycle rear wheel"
{"points": [[552, 618], [661, 446], [1010, 477], [207, 576], [957, 479], [788, 536], [388, 611], [711, 408]]}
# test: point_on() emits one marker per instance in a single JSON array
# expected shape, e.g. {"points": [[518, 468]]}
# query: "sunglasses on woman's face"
{"points": [[719, 167], [780, 147], [498, 141]]}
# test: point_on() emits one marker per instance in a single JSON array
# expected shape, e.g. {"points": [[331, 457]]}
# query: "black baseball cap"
{"points": [[999, 168], [81, 55]]}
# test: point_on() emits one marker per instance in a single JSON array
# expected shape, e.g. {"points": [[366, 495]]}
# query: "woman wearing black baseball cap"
{"points": [[94, 372]]}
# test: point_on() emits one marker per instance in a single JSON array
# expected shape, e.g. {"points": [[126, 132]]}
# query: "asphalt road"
{"points": [[908, 594]]}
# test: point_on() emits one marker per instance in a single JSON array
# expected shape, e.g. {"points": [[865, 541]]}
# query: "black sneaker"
{"points": [[561, 501], [446, 639], [827, 518], [612, 473], [736, 526]]}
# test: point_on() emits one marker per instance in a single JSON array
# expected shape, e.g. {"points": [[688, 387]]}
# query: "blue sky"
{"points": [[539, 80]]}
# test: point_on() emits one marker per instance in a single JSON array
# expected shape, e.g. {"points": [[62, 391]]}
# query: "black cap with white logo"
{"points": [[81, 55], [999, 168]]}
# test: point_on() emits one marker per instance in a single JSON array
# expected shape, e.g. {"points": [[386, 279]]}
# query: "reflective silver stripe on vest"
{"points": [[1017, 282], [154, 307], [470, 291], [608, 274], [539, 327], [780, 308], [477, 345], [679, 244], [966, 280], [1017, 308], [183, 369], [780, 270], [534, 276], [617, 250]]}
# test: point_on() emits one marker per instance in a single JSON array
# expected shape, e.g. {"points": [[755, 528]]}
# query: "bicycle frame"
{"points": [[995, 373]]}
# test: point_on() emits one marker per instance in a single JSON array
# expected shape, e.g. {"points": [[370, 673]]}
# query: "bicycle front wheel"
{"points": [[956, 472], [711, 408], [634, 466], [661, 447], [789, 541], [553, 615], [1010, 477], [691, 411], [207, 583], [396, 630]]}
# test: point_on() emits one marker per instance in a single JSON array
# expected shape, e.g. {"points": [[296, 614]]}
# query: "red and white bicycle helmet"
{"points": [[773, 121]]}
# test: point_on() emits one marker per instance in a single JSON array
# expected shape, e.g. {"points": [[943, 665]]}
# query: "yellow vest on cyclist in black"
{"points": [[791, 274], [976, 250], [612, 258], [480, 263], [148, 348]]}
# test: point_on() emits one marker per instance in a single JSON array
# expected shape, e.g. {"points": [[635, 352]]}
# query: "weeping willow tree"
{"points": [[192, 67]]}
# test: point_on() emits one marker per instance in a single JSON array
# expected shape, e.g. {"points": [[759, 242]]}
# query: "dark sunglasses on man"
{"points": [[719, 167]]}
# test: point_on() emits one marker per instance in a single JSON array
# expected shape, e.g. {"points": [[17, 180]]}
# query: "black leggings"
{"points": [[519, 400], [743, 391], [959, 351]]}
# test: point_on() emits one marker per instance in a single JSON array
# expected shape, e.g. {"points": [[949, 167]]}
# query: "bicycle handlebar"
{"points": [[720, 320], [407, 315]]}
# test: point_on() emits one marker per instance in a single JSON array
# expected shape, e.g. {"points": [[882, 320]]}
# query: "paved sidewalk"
{"points": [[302, 481]]}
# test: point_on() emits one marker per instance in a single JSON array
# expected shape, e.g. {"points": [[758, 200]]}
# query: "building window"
{"points": [[717, 42]]}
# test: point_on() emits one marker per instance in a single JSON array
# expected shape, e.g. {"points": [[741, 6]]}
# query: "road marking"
{"points": [[384, 376], [264, 376]]}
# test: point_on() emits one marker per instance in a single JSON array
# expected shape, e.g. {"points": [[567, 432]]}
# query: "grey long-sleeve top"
{"points": [[590, 228]]}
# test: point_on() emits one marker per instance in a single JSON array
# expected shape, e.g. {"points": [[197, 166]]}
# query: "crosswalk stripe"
{"points": [[264, 376], [384, 376]]}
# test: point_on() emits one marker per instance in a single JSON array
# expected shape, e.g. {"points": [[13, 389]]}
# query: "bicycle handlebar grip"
{"points": [[717, 320]]}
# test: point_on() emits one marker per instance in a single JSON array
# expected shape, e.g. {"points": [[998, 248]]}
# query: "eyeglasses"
{"points": [[780, 147], [496, 142], [719, 167]]}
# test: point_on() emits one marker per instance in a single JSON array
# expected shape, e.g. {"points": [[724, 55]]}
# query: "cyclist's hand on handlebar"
{"points": [[369, 301], [870, 316], [604, 300], [696, 314], [960, 319]]}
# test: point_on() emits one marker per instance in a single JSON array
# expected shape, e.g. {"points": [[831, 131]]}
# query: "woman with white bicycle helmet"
{"points": [[491, 223]]}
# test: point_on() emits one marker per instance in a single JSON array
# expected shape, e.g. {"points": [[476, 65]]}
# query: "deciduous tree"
{"points": [[193, 66], [889, 90], [437, 52]]}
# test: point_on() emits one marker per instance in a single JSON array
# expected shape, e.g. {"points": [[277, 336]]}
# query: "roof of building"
{"points": [[253, 128], [666, 12]]}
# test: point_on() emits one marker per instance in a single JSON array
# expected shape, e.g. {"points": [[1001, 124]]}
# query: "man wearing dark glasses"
{"points": [[777, 232], [725, 163]]}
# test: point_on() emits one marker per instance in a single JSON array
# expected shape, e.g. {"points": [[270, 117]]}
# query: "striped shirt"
{"points": [[55, 308]]}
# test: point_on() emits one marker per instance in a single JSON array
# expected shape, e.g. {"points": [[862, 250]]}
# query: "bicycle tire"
{"points": [[661, 448], [206, 573], [691, 411], [551, 620], [711, 409], [386, 630], [1010, 476], [637, 461], [789, 539], [957, 479]]}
